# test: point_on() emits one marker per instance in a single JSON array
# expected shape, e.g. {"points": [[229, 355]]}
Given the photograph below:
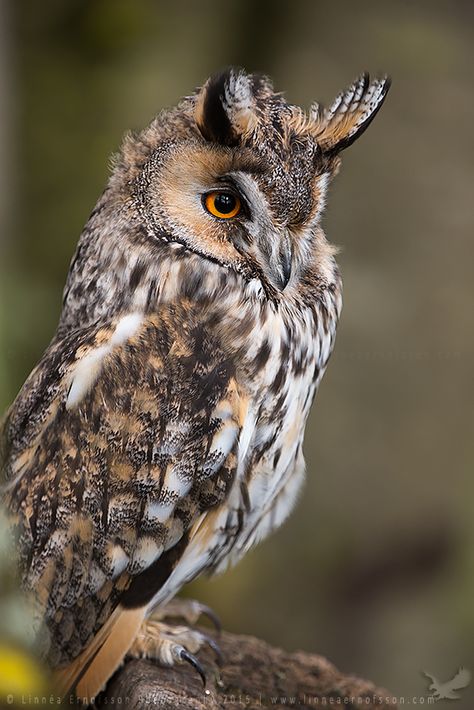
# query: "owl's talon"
{"points": [[188, 609], [170, 644], [212, 616], [215, 647], [184, 655]]}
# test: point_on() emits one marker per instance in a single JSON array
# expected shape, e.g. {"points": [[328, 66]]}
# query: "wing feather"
{"points": [[89, 672], [105, 483]]}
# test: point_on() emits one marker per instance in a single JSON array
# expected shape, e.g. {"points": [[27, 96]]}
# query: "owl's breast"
{"points": [[284, 367], [278, 362]]}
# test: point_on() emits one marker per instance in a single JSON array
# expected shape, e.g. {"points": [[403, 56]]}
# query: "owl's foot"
{"points": [[169, 644], [187, 609]]}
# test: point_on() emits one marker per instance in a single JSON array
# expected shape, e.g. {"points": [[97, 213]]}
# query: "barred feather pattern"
{"points": [[101, 489]]}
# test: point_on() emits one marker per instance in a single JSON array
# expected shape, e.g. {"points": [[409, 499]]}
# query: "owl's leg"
{"points": [[189, 610], [171, 644]]}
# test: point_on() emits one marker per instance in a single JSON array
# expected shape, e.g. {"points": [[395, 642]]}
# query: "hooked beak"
{"points": [[285, 262], [276, 253]]}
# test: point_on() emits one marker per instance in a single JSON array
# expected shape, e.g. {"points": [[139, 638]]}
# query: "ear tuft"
{"points": [[225, 108], [352, 111]]}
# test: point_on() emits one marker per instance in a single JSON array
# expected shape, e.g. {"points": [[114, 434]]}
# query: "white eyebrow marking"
{"points": [[88, 368]]}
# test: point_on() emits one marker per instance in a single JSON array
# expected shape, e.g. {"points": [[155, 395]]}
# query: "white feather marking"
{"points": [[285, 501], [222, 444], [237, 102], [175, 533], [85, 373], [126, 328], [97, 578], [88, 369], [257, 489], [175, 485], [119, 561], [253, 287], [246, 434], [224, 440], [159, 511], [224, 410], [146, 552]]}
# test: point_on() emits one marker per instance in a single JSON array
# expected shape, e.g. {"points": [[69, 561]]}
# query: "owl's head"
{"points": [[234, 174], [239, 176]]}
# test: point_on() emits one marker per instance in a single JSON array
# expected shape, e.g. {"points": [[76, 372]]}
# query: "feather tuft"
{"points": [[225, 107], [351, 112]]}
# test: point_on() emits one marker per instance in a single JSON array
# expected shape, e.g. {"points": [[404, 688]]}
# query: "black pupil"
{"points": [[224, 202]]}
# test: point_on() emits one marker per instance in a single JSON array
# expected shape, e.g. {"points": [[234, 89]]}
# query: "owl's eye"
{"points": [[222, 204]]}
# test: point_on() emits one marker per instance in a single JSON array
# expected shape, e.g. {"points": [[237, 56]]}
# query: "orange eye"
{"points": [[222, 204]]}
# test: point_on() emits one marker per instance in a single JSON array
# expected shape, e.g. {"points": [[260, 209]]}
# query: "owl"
{"points": [[160, 436]]}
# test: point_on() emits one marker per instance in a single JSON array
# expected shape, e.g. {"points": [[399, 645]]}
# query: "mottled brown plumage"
{"points": [[161, 434]]}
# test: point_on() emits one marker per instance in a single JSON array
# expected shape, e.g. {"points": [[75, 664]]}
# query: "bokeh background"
{"points": [[375, 569]]}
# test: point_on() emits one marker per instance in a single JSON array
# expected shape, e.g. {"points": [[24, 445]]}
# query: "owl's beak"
{"points": [[276, 256], [283, 273]]}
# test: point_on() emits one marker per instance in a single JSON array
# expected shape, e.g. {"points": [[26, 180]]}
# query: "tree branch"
{"points": [[254, 675]]}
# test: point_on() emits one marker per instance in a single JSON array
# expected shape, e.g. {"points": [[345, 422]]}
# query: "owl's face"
{"points": [[243, 208], [243, 181]]}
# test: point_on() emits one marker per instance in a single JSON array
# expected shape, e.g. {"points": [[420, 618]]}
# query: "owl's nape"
{"points": [[160, 436]]}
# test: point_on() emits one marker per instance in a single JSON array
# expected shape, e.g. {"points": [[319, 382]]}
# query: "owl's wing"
{"points": [[120, 440]]}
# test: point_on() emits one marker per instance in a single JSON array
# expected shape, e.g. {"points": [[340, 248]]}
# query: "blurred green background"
{"points": [[375, 569]]}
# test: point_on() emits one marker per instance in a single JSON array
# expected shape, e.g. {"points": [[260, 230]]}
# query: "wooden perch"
{"points": [[254, 675]]}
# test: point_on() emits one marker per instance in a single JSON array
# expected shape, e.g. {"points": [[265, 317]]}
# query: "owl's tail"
{"points": [[87, 675]]}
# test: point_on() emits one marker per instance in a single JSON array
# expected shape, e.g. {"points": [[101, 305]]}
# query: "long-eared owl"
{"points": [[160, 436]]}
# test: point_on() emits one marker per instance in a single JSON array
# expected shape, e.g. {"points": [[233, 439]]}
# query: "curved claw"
{"points": [[215, 647], [212, 616], [193, 661]]}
